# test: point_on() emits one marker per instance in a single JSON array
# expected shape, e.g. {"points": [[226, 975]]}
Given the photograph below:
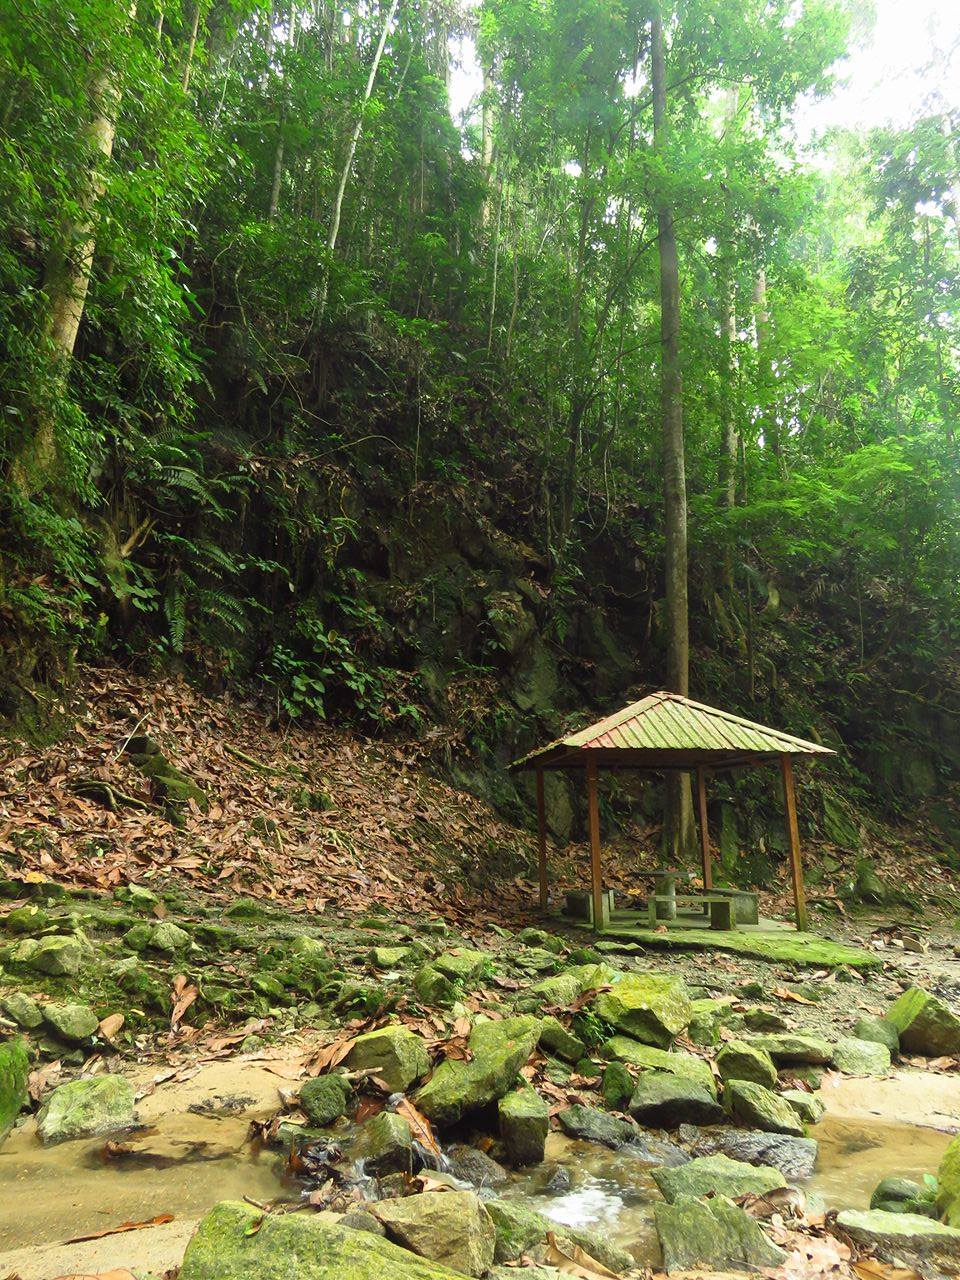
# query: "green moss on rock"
{"points": [[14, 1070], [652, 1008], [499, 1050], [924, 1024]]}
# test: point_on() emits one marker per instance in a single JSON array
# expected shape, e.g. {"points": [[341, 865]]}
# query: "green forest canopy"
{"points": [[271, 319]]}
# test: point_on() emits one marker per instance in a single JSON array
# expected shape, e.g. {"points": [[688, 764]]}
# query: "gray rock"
{"points": [[556, 1039], [664, 1101], [593, 1125], [519, 1230], [739, 1060], [807, 1105], [384, 1144], [793, 1157], [791, 1046], [880, 1031], [861, 1057], [471, 1165], [168, 938], [396, 1054], [924, 1024], [24, 1011], [906, 1239], [713, 1233], [60, 957], [903, 1195], [86, 1109]]}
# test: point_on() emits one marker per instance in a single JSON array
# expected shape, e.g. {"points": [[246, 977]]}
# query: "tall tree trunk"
{"points": [[278, 155], [486, 136], [67, 279], [769, 422], [678, 819], [351, 152], [191, 47]]}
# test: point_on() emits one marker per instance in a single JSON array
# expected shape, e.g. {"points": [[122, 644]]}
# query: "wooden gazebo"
{"points": [[661, 732]]}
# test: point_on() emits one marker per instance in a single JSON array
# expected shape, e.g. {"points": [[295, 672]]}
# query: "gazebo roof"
{"points": [[667, 731]]}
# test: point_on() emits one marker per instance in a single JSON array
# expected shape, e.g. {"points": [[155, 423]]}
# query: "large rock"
{"points": [[718, 1174], [793, 1157], [648, 1058], [384, 1145], [520, 1229], [86, 1109], [807, 1105], [652, 1008], [713, 1233], [564, 988], [73, 1023], [906, 1239], [751, 1104], [617, 1086], [27, 920], [556, 1039], [23, 1009], [880, 1031], [664, 1101], [499, 1050], [469, 1164], [948, 1184], [14, 1070], [396, 1054], [449, 1227], [738, 1060], [593, 1125], [790, 1047], [324, 1099], [462, 965], [924, 1024], [434, 987], [903, 1195], [239, 1242], [60, 957], [861, 1057], [524, 1125]]}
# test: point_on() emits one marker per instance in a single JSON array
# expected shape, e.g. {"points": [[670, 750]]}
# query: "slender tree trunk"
{"points": [[191, 47], [278, 155], [678, 819], [351, 152], [768, 418], [67, 279], [486, 135]]}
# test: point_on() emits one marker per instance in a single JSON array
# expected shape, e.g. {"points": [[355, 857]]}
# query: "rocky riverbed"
{"points": [[388, 1098]]}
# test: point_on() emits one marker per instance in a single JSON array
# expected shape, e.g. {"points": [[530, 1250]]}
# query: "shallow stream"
{"points": [[184, 1161]]}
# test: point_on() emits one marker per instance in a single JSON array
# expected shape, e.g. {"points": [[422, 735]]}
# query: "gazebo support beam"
{"points": [[542, 840], [704, 830], [593, 808], [793, 832]]}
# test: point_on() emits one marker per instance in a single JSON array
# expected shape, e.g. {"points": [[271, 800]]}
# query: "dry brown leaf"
{"points": [[419, 1127], [873, 1269], [158, 1221], [783, 993], [111, 1025]]}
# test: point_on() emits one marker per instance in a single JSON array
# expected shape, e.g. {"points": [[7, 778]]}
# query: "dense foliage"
{"points": [[361, 396]]}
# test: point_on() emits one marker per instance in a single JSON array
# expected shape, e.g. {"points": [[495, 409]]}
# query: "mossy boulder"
{"points": [[524, 1124], [27, 920], [880, 1031], [23, 1009], [463, 966], [617, 1086], [451, 1228], [60, 957], [593, 1125], [760, 1108], [384, 1145], [807, 1105], [924, 1024], [499, 1050], [861, 1057], [520, 1229], [662, 1100], [649, 1058], [396, 1055], [14, 1070], [739, 1060], [719, 1175], [909, 1239], [540, 938], [236, 1241], [714, 1233], [168, 938], [903, 1195], [324, 1099], [556, 1039], [86, 1109], [72, 1023], [652, 1008], [434, 987], [562, 989], [948, 1184], [789, 1047], [390, 957]]}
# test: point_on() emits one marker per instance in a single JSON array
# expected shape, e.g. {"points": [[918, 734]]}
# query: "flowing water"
{"points": [[184, 1160]]}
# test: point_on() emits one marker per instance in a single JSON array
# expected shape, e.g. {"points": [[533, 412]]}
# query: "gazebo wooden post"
{"points": [[593, 808], [542, 840], [704, 832], [793, 832]]}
